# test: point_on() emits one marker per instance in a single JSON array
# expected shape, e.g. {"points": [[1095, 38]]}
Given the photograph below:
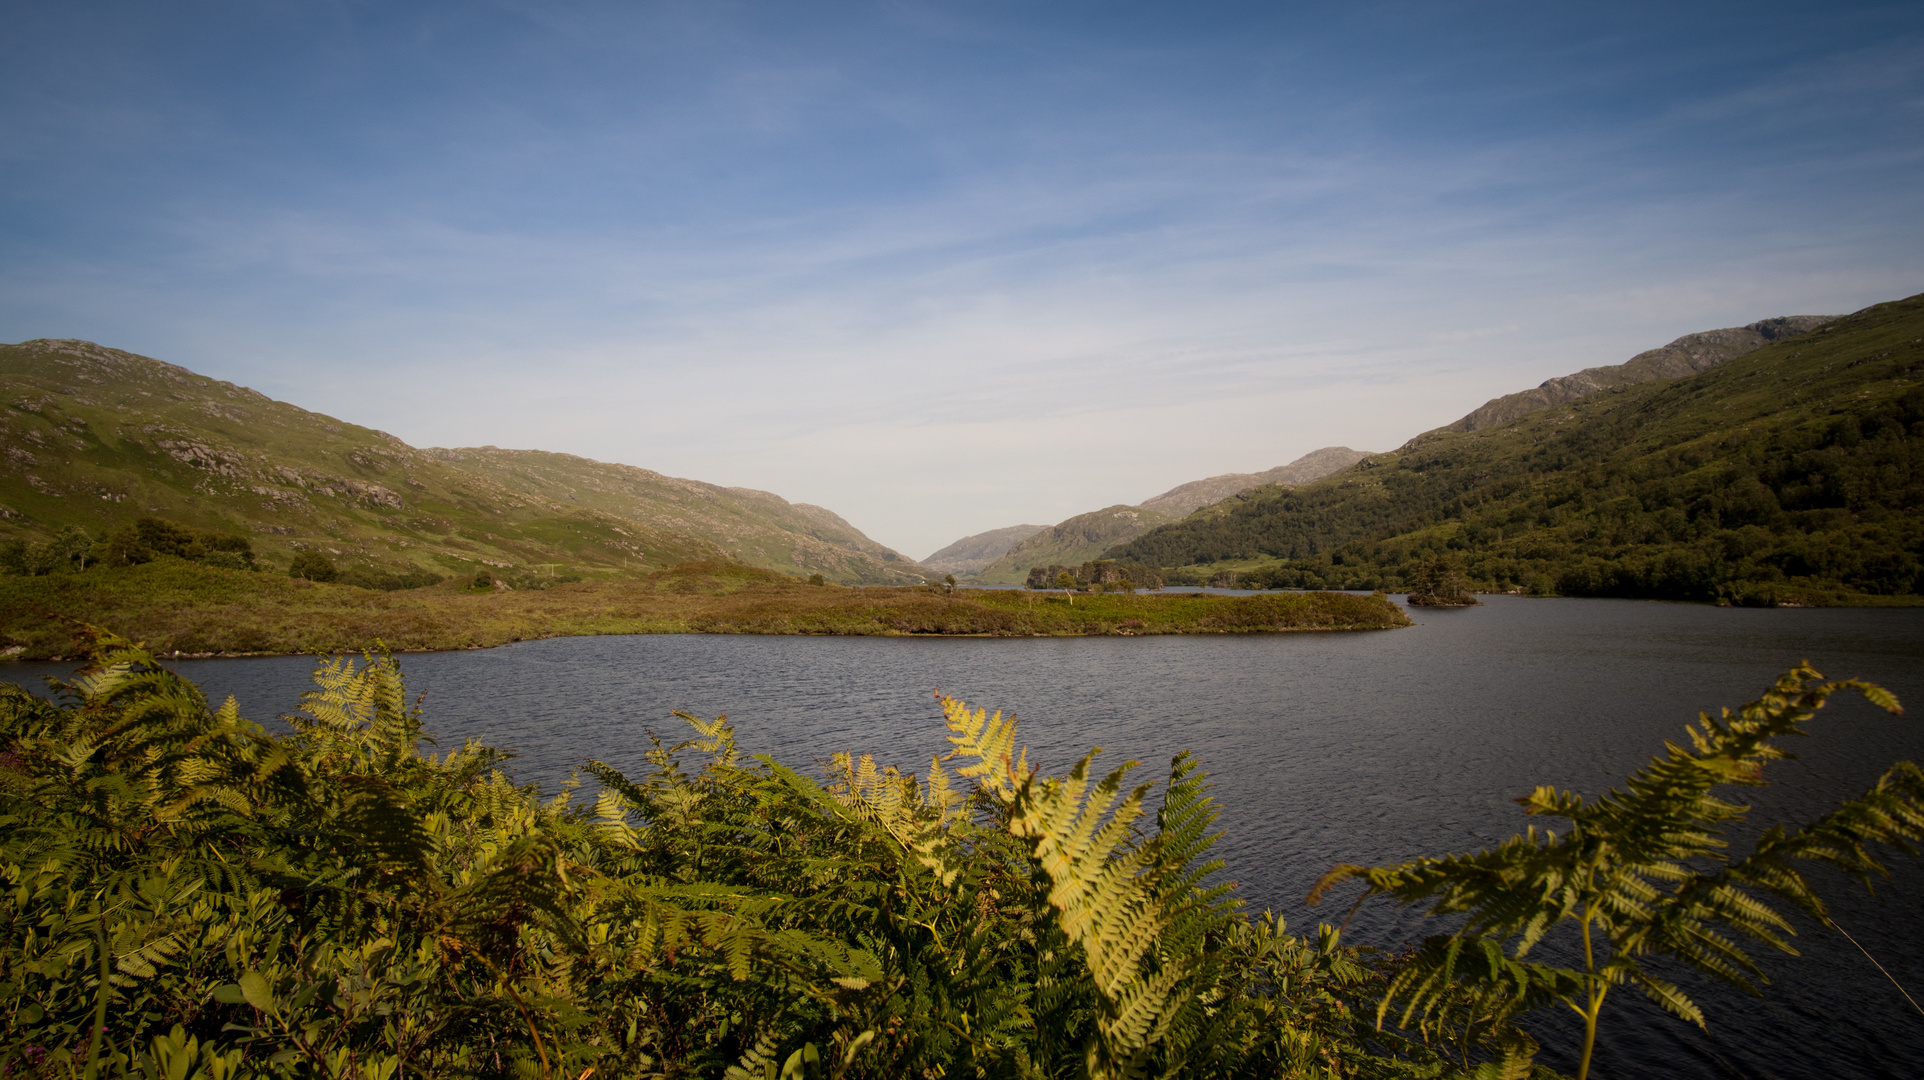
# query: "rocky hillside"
{"points": [[1685, 356], [1187, 498], [972, 553], [96, 437], [1072, 543]]}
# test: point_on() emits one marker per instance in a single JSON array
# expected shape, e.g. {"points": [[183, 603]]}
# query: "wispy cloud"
{"points": [[944, 269]]}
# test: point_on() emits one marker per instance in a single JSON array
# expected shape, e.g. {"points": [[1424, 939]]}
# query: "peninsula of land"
{"points": [[180, 607]]}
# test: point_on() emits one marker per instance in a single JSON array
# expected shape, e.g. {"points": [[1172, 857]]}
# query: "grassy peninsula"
{"points": [[174, 605]]}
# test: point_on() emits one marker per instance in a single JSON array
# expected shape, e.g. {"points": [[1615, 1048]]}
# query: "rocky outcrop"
{"points": [[1687, 355], [215, 459]]}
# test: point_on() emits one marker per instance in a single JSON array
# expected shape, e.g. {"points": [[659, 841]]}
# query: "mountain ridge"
{"points": [[1071, 542], [972, 553], [1075, 540], [1687, 355], [1792, 473], [1187, 498]]}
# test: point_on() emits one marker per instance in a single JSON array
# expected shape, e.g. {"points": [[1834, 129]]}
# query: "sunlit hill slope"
{"points": [[96, 437]]}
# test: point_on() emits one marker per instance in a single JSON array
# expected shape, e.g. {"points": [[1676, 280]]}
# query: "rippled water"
{"points": [[1324, 748]]}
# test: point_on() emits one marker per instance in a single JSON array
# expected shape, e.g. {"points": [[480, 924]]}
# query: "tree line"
{"points": [[1096, 574], [148, 539]]}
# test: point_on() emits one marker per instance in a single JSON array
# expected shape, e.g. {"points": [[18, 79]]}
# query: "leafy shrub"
{"points": [[389, 580], [313, 566], [70, 549], [227, 560]]}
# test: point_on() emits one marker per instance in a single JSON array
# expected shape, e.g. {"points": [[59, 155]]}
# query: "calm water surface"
{"points": [[1324, 748]]}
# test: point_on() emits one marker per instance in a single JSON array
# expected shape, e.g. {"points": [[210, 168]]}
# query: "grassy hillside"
{"points": [[972, 553], [1084, 537], [1687, 355], [1792, 474], [174, 605], [1187, 498], [95, 437], [1075, 541], [749, 526]]}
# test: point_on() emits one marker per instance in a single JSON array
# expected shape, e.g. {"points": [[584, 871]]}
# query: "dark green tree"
{"points": [[313, 566]]}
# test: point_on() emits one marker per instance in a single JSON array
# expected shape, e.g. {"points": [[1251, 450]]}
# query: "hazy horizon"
{"points": [[938, 268]]}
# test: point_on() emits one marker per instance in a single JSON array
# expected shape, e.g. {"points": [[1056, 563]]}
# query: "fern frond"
{"points": [[987, 746]]}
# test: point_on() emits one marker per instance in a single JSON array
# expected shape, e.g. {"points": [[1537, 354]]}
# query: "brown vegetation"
{"points": [[177, 606]]}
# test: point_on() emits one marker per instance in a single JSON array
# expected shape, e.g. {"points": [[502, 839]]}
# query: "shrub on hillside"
{"points": [[313, 566], [149, 538], [70, 549], [374, 577]]}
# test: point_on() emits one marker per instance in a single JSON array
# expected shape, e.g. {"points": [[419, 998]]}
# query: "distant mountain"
{"points": [[972, 553], [1685, 356], [96, 437], [1071, 543], [1184, 499], [992, 557], [1791, 473]]}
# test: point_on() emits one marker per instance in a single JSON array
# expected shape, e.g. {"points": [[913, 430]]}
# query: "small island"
{"points": [[1427, 599], [1440, 583]]}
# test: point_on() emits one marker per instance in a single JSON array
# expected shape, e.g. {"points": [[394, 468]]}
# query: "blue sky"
{"points": [[943, 267]]}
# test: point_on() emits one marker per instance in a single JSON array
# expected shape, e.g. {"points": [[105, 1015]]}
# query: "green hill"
{"points": [[1185, 499], [1794, 473], [96, 437], [1075, 541], [752, 527], [1687, 355], [972, 553]]}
